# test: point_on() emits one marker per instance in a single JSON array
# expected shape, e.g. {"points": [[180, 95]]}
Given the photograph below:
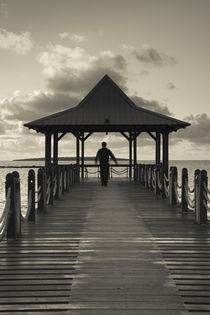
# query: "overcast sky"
{"points": [[52, 52]]}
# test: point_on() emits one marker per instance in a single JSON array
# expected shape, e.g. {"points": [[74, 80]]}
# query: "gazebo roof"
{"points": [[106, 108]]}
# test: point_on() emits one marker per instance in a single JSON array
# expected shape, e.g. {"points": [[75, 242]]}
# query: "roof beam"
{"points": [[151, 135], [88, 135], [127, 137], [61, 136]]}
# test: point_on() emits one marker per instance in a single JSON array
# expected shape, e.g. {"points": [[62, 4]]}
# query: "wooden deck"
{"points": [[107, 250]]}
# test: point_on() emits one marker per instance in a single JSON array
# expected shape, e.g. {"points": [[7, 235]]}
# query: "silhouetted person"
{"points": [[103, 155]]}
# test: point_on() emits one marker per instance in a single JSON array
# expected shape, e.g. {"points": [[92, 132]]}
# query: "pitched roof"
{"points": [[106, 107]]}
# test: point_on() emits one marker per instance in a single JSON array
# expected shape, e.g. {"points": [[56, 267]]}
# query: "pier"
{"points": [[138, 246], [122, 249]]}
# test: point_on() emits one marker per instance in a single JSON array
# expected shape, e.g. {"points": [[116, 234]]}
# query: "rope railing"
{"points": [[196, 198], [12, 218], [119, 172]]}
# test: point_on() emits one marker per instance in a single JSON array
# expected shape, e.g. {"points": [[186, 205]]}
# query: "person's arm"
{"points": [[97, 156], [112, 156]]}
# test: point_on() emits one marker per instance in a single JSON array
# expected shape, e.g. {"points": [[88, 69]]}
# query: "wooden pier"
{"points": [[119, 249]]}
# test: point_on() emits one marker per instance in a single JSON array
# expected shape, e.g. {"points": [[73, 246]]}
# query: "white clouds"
{"points": [[19, 43], [77, 38], [75, 71]]}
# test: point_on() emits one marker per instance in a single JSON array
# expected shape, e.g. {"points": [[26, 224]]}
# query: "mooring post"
{"points": [[41, 179], [51, 176], [14, 224], [184, 203], [67, 178], [172, 183], [163, 172], [31, 196], [201, 201], [157, 172]]}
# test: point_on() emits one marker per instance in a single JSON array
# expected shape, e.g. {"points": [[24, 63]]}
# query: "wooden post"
{"points": [[201, 202], [77, 150], [51, 174], [41, 179], [47, 149], [14, 224], [55, 149], [134, 153], [83, 151], [157, 151], [165, 152], [31, 195], [184, 202], [130, 155], [172, 183], [157, 172]]}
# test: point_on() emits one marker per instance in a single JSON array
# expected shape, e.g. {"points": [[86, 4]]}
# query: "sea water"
{"points": [[24, 166]]}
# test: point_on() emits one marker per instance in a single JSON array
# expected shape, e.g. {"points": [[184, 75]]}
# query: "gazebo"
{"points": [[106, 108]]}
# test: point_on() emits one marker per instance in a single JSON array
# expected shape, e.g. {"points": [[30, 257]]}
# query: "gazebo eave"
{"points": [[108, 128]]}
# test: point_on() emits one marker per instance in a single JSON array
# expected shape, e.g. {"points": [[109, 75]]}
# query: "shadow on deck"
{"points": [[107, 250]]}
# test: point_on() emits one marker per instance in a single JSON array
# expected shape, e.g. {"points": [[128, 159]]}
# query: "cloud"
{"points": [[199, 131], [150, 56], [151, 105], [78, 38], [19, 43], [170, 86], [35, 105], [73, 70]]}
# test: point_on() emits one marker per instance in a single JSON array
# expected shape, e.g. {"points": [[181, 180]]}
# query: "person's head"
{"points": [[103, 144]]}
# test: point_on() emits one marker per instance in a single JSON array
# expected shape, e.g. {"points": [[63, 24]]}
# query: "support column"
{"points": [[165, 151], [130, 155], [157, 152], [55, 149], [77, 149], [47, 148], [134, 149], [83, 154]]}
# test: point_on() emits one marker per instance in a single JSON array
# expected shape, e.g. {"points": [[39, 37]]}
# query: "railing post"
{"points": [[67, 178], [31, 188], [41, 179], [157, 171], [200, 201], [162, 173], [62, 172], [14, 224], [172, 183], [184, 204], [51, 174]]}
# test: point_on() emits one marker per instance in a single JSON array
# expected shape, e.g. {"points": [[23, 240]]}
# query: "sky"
{"points": [[52, 52]]}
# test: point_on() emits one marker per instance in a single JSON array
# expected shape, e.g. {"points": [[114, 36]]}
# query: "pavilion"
{"points": [[106, 108]]}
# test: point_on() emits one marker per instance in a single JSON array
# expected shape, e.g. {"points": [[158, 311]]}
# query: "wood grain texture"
{"points": [[107, 250]]}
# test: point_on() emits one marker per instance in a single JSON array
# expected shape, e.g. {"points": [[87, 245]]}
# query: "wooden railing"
{"points": [[52, 183], [196, 198]]}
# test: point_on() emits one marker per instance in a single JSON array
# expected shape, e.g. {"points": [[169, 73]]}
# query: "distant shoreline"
{"points": [[90, 158]]}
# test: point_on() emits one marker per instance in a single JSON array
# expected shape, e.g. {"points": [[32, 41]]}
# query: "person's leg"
{"points": [[102, 173], [106, 174]]}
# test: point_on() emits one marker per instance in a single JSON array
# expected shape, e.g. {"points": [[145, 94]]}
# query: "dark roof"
{"points": [[106, 108]]}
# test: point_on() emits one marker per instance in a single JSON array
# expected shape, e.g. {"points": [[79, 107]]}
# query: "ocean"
{"points": [[191, 165]]}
